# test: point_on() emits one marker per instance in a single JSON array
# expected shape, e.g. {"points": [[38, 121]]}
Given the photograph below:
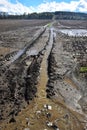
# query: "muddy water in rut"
{"points": [[35, 116]]}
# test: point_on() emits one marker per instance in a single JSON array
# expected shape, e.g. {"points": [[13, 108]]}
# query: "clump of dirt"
{"points": [[32, 78]]}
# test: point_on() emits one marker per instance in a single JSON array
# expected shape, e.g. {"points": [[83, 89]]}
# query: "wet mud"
{"points": [[41, 88]]}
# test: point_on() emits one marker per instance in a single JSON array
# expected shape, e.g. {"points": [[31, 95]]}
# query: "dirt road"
{"points": [[37, 87]]}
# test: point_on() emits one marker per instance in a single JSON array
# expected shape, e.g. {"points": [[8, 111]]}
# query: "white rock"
{"points": [[26, 129], [27, 119], [38, 112], [49, 107], [45, 106], [49, 124], [57, 129]]}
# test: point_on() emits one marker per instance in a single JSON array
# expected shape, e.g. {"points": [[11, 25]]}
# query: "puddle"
{"points": [[74, 32], [32, 52]]}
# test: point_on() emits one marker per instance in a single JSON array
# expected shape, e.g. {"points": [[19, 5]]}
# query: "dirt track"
{"points": [[42, 76]]}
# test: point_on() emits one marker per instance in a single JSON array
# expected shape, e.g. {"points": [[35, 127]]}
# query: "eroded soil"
{"points": [[40, 83]]}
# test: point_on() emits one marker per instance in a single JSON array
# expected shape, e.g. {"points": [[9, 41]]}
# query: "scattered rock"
{"points": [[49, 107], [38, 112], [52, 125], [49, 124]]}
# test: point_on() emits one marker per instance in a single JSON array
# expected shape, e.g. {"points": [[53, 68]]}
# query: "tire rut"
{"points": [[44, 112], [20, 80]]}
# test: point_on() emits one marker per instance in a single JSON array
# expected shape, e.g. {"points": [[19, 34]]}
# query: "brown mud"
{"points": [[36, 89]]}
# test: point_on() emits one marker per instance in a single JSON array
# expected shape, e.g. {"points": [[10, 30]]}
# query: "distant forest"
{"points": [[46, 15]]}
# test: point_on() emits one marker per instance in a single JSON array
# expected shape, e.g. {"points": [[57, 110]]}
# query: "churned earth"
{"points": [[41, 86]]}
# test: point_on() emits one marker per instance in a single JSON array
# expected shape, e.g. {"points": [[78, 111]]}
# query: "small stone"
{"points": [[49, 124], [45, 106], [27, 119], [38, 112], [26, 129], [49, 107]]}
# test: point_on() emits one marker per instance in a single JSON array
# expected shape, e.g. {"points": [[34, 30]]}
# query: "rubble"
{"points": [[49, 124], [48, 107]]}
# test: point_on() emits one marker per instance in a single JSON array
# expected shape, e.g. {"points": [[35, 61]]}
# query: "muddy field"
{"points": [[73, 24], [41, 83]]}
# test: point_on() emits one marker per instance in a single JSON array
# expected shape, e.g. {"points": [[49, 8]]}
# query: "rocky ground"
{"points": [[41, 86]]}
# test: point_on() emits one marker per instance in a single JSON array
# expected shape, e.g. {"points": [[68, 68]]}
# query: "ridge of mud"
{"points": [[18, 86], [58, 88]]}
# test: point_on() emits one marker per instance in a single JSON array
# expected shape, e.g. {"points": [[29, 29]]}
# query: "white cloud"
{"points": [[80, 5], [19, 8], [54, 6]]}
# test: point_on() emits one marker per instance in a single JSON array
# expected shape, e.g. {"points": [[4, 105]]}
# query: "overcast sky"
{"points": [[29, 6]]}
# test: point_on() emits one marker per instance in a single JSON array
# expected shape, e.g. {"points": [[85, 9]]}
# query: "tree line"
{"points": [[46, 15], [70, 15]]}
